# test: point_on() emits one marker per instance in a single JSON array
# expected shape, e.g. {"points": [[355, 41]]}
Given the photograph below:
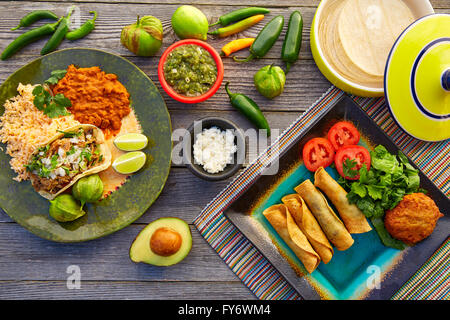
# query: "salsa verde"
{"points": [[190, 70]]}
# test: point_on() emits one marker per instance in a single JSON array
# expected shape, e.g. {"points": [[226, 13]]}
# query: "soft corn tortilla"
{"points": [[331, 225], [283, 223], [309, 226], [104, 150], [353, 218]]}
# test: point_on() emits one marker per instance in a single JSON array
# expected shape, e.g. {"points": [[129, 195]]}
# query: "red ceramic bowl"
{"points": [[171, 92]]}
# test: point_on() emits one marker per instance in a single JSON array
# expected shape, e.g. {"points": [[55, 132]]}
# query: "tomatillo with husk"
{"points": [[88, 189], [269, 81], [65, 208], [143, 38]]}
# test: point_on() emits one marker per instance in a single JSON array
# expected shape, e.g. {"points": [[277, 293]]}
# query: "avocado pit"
{"points": [[165, 241]]}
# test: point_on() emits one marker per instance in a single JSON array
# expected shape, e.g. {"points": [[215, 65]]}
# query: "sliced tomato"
{"points": [[317, 152], [356, 153], [343, 133]]}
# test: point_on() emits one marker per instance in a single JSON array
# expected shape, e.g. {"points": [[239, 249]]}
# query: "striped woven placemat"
{"points": [[432, 280]]}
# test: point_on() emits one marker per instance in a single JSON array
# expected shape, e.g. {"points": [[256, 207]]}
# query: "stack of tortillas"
{"points": [[353, 39]]}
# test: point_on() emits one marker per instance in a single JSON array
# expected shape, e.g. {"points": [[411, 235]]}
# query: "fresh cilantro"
{"points": [[381, 188], [55, 76], [86, 154], [348, 166], [52, 106], [67, 170], [71, 134], [71, 151], [54, 161]]}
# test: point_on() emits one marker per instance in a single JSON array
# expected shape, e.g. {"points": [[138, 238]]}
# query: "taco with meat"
{"points": [[77, 152]]}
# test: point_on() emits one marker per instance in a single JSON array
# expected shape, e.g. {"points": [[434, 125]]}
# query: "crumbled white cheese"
{"points": [[214, 149], [61, 152], [60, 172]]}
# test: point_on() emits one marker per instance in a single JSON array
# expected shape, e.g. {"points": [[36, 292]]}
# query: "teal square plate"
{"points": [[368, 269]]}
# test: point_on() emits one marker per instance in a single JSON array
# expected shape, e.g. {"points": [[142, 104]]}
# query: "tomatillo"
{"points": [[88, 189], [269, 81], [188, 22], [143, 38], [65, 208]]}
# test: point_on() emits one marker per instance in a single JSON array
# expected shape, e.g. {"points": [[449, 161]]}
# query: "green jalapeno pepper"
{"points": [[58, 36], [265, 39], [238, 26], [293, 40], [240, 14], [84, 30], [29, 37], [34, 16], [248, 108]]}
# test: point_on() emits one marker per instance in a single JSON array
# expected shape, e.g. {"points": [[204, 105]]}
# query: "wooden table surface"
{"points": [[33, 268]]}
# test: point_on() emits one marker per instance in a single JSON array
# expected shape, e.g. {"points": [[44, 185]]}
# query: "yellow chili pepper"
{"points": [[237, 45], [237, 27]]}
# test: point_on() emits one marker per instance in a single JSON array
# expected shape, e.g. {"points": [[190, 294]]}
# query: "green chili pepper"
{"points": [[84, 30], [293, 40], [265, 39], [237, 27], [34, 16], [248, 108], [58, 36], [29, 37], [240, 14]]}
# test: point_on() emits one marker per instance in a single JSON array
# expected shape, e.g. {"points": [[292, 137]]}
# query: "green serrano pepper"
{"points": [[265, 39], [248, 108], [58, 36], [34, 16], [240, 14], [84, 30], [29, 37], [293, 40]]}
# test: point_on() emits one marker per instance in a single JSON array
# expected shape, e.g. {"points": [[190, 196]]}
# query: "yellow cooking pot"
{"points": [[417, 79], [328, 13]]}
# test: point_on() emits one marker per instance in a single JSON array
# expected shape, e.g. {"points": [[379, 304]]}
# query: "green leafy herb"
{"points": [[71, 151], [381, 188], [71, 134], [86, 154], [52, 106], [55, 76], [349, 165]]}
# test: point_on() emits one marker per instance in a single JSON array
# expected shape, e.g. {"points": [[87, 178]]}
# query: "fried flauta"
{"points": [[353, 218], [283, 223], [309, 226], [330, 223]]}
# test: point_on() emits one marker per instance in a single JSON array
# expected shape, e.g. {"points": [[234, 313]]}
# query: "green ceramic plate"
{"points": [[25, 206]]}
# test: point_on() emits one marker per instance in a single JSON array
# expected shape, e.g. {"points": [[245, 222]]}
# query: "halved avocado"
{"points": [[163, 242]]}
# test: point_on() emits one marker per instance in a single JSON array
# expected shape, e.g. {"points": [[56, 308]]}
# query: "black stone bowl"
{"points": [[189, 140]]}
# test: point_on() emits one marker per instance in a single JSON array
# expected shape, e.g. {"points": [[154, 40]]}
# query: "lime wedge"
{"points": [[131, 142], [129, 162]]}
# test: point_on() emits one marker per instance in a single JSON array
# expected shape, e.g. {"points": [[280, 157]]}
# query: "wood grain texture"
{"points": [[130, 290], [33, 268]]}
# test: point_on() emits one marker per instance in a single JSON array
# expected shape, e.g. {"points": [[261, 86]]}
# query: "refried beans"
{"points": [[97, 97]]}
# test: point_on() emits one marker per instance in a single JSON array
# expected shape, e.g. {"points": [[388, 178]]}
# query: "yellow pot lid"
{"points": [[417, 78]]}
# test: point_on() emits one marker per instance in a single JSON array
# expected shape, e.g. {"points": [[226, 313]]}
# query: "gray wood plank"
{"points": [[33, 268], [234, 3], [121, 290], [27, 257], [304, 85], [113, 17]]}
